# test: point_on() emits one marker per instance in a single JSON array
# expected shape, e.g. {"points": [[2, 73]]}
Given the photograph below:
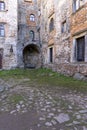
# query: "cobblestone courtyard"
{"points": [[26, 104]]}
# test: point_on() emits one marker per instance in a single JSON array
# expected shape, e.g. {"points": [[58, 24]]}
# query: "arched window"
{"points": [[2, 5], [51, 25], [32, 17], [32, 35]]}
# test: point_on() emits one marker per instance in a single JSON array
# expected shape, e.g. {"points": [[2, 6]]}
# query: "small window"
{"points": [[32, 17], [64, 27], [80, 49], [2, 5], [2, 30], [51, 54], [77, 4], [32, 35], [51, 25]]}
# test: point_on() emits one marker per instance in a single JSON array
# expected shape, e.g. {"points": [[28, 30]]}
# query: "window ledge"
{"points": [[52, 31], [1, 37], [66, 33], [3, 10], [79, 62], [30, 1]]}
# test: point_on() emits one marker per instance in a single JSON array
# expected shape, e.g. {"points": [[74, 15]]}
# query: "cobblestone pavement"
{"points": [[28, 107]]}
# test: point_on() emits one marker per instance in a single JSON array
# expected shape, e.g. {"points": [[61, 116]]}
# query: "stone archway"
{"points": [[31, 56]]}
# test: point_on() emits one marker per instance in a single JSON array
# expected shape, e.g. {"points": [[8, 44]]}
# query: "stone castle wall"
{"points": [[60, 12], [9, 18], [64, 60], [17, 24], [26, 8], [55, 48]]}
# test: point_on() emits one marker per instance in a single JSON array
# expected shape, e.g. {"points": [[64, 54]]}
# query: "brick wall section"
{"points": [[62, 42], [79, 20]]}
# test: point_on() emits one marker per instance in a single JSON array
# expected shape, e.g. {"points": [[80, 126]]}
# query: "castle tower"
{"points": [[28, 34]]}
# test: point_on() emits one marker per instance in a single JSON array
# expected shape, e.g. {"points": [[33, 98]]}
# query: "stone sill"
{"points": [[3, 10], [2, 37], [28, 1], [80, 63], [52, 31], [69, 63], [65, 36]]}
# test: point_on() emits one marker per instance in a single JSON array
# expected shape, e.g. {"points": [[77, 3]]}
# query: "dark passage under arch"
{"points": [[31, 56]]}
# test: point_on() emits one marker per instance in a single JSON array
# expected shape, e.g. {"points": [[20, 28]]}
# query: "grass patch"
{"points": [[44, 77], [16, 98]]}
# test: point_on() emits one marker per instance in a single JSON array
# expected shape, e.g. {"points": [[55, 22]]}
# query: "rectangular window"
{"points": [[2, 30], [51, 54], [80, 48], [2, 5], [64, 27]]}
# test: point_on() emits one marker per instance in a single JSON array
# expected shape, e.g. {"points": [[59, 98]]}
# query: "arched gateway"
{"points": [[31, 56]]}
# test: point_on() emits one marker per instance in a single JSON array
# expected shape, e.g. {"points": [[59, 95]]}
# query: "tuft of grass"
{"points": [[16, 98]]}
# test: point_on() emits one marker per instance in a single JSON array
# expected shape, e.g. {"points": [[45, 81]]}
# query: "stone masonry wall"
{"points": [[9, 18], [27, 8], [59, 11], [68, 26], [62, 42]]}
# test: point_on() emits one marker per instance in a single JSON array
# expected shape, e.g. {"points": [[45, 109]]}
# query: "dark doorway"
{"points": [[0, 61], [81, 49], [31, 55], [51, 54]]}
